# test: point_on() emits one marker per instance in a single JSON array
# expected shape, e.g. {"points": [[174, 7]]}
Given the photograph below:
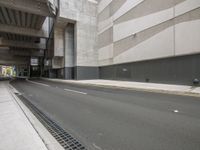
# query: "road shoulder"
{"points": [[138, 86], [47, 139], [16, 132]]}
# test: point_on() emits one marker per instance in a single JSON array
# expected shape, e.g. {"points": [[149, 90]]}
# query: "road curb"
{"points": [[49, 141], [192, 94]]}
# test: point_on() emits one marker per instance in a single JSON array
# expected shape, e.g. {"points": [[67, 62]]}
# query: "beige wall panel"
{"points": [[132, 41], [145, 8], [105, 14], [159, 46], [187, 33], [105, 38], [115, 5], [105, 52], [133, 26]]}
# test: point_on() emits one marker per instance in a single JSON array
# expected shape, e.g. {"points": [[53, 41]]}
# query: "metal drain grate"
{"points": [[65, 139]]}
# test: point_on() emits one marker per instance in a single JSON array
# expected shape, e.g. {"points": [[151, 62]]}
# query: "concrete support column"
{"points": [[69, 52], [17, 71], [86, 66]]}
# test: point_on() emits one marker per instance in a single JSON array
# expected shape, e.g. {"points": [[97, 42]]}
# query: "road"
{"points": [[113, 119]]}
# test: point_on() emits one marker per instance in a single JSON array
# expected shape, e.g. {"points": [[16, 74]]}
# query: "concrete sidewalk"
{"points": [[16, 132], [152, 87]]}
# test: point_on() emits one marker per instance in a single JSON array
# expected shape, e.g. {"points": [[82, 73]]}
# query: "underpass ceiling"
{"points": [[21, 19], [21, 16]]}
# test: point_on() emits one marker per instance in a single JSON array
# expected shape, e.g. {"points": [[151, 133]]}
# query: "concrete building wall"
{"points": [[133, 31], [83, 14], [128, 40], [69, 45], [58, 42], [69, 51], [147, 29]]}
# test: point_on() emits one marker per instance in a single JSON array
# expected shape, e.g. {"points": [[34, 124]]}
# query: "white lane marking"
{"points": [[176, 111], [96, 147], [100, 134], [38, 83], [75, 91]]}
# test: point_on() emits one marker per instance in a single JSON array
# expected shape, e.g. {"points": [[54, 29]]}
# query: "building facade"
{"points": [[149, 40], [136, 40], [72, 48]]}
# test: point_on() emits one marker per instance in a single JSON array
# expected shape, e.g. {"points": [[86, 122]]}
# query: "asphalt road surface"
{"points": [[113, 119]]}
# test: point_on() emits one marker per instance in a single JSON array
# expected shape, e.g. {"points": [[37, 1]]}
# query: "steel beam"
{"points": [[22, 44], [38, 7], [23, 31]]}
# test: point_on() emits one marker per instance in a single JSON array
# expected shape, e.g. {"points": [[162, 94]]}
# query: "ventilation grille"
{"points": [[65, 139]]}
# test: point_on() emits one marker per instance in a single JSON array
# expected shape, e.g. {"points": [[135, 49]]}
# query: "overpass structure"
{"points": [[24, 30]]}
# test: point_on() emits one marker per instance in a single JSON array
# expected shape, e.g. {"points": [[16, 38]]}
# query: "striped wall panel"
{"points": [[147, 29]]}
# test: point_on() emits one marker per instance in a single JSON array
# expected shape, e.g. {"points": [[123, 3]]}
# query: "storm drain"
{"points": [[65, 139]]}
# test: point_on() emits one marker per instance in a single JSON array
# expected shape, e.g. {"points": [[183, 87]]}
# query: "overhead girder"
{"points": [[8, 59], [23, 24], [22, 44], [23, 31], [38, 7], [21, 19], [17, 37]]}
